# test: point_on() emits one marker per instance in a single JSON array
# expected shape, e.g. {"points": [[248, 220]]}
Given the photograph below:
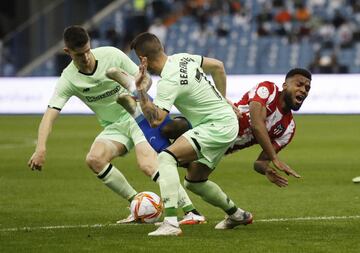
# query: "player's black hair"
{"points": [[146, 44], [75, 36], [300, 71]]}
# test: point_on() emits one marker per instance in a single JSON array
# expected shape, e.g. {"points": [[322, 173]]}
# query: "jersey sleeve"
{"points": [[126, 63], [166, 94], [198, 59], [263, 92], [61, 94]]}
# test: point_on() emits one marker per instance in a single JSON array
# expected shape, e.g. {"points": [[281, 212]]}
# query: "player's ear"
{"points": [[284, 86], [66, 50]]}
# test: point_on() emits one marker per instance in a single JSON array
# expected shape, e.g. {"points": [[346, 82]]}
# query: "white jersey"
{"points": [[96, 90]]}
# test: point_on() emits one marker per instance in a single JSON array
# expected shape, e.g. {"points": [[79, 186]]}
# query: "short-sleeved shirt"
{"points": [[184, 84], [280, 125], [96, 90]]}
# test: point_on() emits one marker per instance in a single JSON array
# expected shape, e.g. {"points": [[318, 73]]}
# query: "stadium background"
{"points": [[65, 209]]}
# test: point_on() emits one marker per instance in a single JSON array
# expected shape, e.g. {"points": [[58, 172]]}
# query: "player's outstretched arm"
{"points": [[216, 69], [257, 117], [262, 166], [154, 115], [37, 160]]}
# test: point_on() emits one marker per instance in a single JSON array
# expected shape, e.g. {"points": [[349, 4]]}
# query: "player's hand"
{"points": [[285, 168], [275, 178], [235, 109], [37, 160], [141, 78]]}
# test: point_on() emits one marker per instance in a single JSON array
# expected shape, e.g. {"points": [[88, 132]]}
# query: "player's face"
{"points": [[149, 63], [296, 89], [81, 56]]}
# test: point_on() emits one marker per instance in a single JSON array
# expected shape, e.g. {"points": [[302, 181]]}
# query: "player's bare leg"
{"points": [[98, 159], [128, 102]]}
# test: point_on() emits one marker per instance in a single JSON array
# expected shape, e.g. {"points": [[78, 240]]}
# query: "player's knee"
{"points": [[146, 159], [95, 162], [147, 168]]}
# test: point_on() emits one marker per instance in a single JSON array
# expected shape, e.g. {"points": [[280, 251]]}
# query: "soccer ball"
{"points": [[146, 207]]}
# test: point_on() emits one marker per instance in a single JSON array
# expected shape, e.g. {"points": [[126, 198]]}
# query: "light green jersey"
{"points": [[96, 90], [184, 84]]}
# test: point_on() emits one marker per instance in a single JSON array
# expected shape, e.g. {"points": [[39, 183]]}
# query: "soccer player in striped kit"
{"points": [[266, 119]]}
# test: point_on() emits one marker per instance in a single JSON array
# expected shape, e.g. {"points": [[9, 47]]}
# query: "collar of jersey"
{"points": [[90, 74]]}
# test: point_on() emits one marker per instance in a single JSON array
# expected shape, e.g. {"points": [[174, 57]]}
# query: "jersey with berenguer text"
{"points": [[280, 125], [184, 84], [96, 90]]}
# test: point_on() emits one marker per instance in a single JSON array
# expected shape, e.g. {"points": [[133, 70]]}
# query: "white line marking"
{"points": [[325, 218], [24, 143], [310, 218]]}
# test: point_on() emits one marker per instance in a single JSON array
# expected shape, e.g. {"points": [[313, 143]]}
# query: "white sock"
{"points": [[184, 200], [132, 87], [138, 113], [172, 220], [116, 181]]}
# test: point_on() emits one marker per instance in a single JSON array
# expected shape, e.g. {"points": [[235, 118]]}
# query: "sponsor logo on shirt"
{"points": [[279, 129], [104, 95], [263, 92]]}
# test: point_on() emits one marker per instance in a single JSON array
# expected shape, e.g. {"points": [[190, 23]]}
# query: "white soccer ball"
{"points": [[146, 207]]}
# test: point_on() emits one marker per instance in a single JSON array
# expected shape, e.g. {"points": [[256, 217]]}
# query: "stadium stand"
{"points": [[250, 37]]}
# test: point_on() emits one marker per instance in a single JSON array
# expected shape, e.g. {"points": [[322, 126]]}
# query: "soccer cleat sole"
{"points": [[192, 222]]}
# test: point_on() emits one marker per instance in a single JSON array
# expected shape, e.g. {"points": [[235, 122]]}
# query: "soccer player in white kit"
{"points": [[184, 84], [85, 78]]}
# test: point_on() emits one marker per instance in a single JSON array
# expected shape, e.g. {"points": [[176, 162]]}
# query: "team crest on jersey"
{"points": [[263, 92], [279, 129]]}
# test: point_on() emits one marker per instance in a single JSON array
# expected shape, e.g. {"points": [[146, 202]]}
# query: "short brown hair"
{"points": [[147, 44], [75, 36]]}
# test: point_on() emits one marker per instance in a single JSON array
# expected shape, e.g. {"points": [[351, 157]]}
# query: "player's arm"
{"points": [[126, 80], [154, 115], [257, 119], [38, 158], [216, 69], [262, 166]]}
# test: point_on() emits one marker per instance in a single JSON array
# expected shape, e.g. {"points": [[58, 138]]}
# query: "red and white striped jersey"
{"points": [[280, 126]]}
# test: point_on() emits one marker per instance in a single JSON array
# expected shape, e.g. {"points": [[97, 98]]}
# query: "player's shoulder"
{"points": [[68, 72], [185, 57], [106, 51], [268, 84]]}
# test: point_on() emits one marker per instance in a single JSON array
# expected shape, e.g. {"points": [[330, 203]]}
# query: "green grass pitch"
{"points": [[56, 210]]}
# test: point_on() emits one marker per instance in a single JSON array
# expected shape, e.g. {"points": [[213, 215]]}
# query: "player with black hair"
{"points": [[266, 119], [85, 78], [263, 104]]}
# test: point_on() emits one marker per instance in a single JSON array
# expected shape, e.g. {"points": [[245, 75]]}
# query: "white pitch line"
{"points": [[310, 218], [325, 218], [56, 227]]}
